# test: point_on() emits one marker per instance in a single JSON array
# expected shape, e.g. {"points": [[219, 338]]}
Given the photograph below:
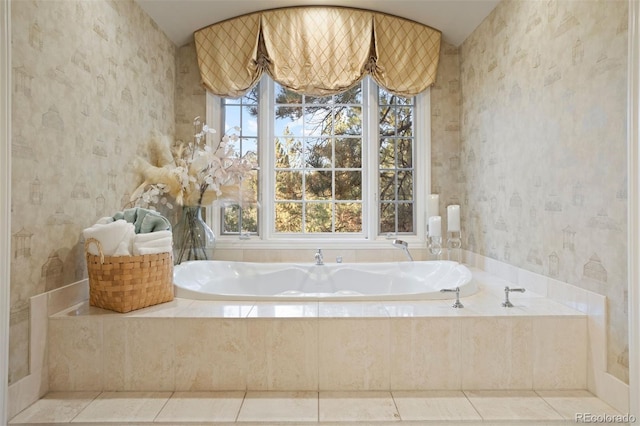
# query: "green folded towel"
{"points": [[144, 220]]}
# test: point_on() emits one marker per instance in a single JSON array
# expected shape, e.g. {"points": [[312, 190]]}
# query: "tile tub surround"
{"points": [[187, 345]]}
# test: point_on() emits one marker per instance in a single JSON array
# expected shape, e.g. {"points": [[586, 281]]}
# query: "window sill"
{"points": [[292, 243]]}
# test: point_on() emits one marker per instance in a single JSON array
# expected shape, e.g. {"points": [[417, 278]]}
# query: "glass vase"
{"points": [[192, 237]]}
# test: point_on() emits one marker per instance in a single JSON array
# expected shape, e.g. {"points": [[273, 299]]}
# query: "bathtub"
{"points": [[224, 280]]}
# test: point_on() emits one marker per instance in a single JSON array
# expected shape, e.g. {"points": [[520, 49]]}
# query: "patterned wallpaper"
{"points": [[191, 98], [543, 143], [91, 80], [446, 172]]}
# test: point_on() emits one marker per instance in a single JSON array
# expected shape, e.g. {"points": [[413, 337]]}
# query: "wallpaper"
{"points": [[543, 147], [91, 81]]}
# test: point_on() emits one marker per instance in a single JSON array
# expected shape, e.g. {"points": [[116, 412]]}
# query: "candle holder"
{"points": [[435, 246], [454, 245]]}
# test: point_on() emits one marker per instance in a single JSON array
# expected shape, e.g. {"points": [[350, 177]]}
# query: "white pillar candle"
{"points": [[435, 226], [433, 204], [453, 218]]}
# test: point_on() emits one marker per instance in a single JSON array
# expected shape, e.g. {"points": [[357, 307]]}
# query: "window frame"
{"points": [[369, 238]]}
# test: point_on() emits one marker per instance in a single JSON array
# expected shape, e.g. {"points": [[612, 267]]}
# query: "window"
{"points": [[320, 176], [318, 162]]}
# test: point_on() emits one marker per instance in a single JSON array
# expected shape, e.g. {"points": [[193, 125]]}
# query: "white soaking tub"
{"points": [[223, 280]]}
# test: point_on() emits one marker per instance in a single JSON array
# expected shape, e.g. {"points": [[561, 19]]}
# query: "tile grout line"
{"points": [[550, 406], [395, 404], [244, 397], [163, 406], [83, 408], [473, 406]]}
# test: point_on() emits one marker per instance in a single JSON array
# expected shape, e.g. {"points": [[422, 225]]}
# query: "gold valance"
{"points": [[227, 54], [317, 51]]}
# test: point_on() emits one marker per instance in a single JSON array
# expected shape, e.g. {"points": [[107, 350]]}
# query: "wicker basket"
{"points": [[127, 283]]}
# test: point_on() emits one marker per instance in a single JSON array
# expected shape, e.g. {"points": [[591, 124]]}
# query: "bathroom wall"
{"points": [[543, 147], [91, 81]]}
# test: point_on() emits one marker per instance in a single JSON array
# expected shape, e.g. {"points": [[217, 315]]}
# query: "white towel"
{"points": [[151, 236], [115, 238], [146, 246], [144, 250]]}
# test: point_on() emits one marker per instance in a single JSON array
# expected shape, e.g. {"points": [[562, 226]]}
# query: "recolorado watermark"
{"points": [[604, 418]]}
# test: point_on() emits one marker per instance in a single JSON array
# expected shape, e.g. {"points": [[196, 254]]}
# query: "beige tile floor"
{"points": [[268, 408]]}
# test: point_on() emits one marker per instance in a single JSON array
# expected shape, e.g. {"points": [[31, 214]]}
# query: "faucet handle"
{"points": [[507, 303], [456, 290]]}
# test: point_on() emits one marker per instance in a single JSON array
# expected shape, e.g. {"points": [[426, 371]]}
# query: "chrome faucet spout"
{"points": [[404, 246], [319, 258]]}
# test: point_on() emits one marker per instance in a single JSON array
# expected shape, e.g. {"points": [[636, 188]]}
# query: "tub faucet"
{"points": [[318, 257], [404, 246]]}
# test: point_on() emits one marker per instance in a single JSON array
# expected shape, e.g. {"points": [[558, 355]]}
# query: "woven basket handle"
{"points": [[97, 243]]}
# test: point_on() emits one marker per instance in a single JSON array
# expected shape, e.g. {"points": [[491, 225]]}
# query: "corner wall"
{"points": [[543, 147]]}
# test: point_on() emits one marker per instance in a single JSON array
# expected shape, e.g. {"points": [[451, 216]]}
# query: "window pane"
{"points": [[405, 153], [318, 185], [387, 186], [316, 121], [288, 217], [231, 118], [348, 120], [349, 217], [250, 219], [250, 185], [387, 123], [318, 217], [348, 153], [387, 158], [237, 220], [387, 217], [405, 186], [289, 185], [404, 121], [288, 121], [318, 153], [405, 217], [288, 153], [250, 150], [349, 185], [231, 223], [249, 121]]}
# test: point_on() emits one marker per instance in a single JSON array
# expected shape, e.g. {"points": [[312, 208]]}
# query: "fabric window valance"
{"points": [[318, 51]]}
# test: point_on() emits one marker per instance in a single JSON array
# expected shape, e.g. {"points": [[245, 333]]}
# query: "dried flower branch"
{"points": [[192, 173]]}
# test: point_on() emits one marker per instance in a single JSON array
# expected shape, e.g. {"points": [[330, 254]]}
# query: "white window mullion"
{"points": [[214, 119], [370, 142], [422, 161], [266, 158]]}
